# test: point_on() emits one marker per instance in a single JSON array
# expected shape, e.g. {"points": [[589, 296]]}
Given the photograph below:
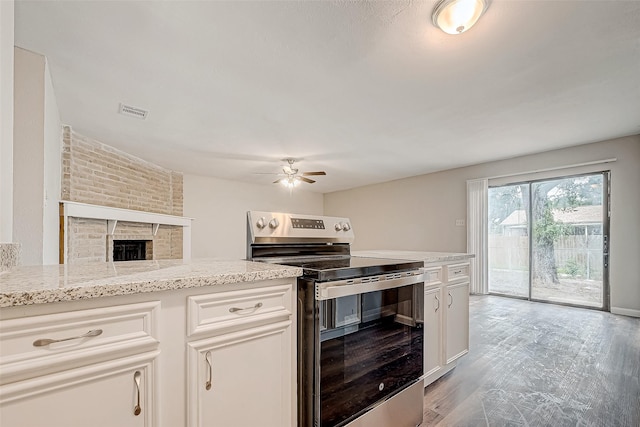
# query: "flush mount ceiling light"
{"points": [[457, 16]]}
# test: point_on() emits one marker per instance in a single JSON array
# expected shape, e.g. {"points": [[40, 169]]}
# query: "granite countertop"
{"points": [[427, 257], [9, 256], [54, 283]]}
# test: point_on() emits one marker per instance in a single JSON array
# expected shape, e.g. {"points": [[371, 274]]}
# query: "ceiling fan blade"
{"points": [[310, 181], [314, 173], [279, 180]]}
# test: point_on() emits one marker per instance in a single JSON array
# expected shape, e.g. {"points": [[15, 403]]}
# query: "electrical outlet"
{"points": [[460, 222]]}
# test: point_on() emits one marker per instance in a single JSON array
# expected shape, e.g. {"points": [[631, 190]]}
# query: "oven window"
{"points": [[364, 362]]}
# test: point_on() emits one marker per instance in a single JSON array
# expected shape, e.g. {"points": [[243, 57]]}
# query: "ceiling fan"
{"points": [[293, 177]]}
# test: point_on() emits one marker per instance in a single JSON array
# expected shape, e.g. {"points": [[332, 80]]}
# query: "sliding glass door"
{"points": [[548, 240], [509, 240]]}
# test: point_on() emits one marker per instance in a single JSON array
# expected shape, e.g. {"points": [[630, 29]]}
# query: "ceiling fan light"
{"points": [[457, 16], [291, 181], [291, 177]]}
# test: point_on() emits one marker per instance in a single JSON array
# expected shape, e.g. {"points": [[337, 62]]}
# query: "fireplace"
{"points": [[93, 233], [130, 250]]}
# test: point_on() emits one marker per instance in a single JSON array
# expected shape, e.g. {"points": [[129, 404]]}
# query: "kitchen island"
{"points": [[56, 283], [148, 343]]}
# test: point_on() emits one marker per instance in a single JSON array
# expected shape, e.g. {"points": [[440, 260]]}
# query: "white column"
{"points": [[6, 120]]}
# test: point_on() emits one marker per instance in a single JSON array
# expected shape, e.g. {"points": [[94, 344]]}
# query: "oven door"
{"points": [[371, 346]]}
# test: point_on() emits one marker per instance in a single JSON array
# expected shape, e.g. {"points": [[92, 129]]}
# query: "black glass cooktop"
{"points": [[347, 268]]}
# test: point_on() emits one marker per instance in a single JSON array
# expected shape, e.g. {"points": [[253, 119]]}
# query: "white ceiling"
{"points": [[368, 91]]}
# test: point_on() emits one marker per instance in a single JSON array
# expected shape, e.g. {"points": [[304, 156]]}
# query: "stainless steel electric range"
{"points": [[360, 323]]}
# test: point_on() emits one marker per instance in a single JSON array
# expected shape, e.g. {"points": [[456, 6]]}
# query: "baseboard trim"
{"points": [[625, 311]]}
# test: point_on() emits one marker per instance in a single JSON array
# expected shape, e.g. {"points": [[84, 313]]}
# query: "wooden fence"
{"points": [[576, 256]]}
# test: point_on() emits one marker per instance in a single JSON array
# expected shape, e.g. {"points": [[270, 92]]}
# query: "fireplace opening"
{"points": [[129, 250]]}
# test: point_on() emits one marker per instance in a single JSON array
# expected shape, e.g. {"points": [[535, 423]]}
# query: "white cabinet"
{"points": [[446, 318], [157, 351], [433, 331], [457, 336], [101, 395], [242, 378], [89, 367], [240, 369]]}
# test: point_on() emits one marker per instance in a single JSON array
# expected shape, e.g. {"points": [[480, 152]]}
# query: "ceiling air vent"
{"points": [[128, 110]]}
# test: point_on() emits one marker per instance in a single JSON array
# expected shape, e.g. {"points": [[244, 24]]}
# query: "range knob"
{"points": [[338, 226], [274, 223], [261, 223], [346, 226]]}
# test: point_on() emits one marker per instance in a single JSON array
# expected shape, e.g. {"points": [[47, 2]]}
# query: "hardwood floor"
{"points": [[534, 364]]}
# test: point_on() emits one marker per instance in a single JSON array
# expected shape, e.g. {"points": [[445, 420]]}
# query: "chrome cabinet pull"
{"points": [[46, 341], [136, 379], [438, 300], [207, 356], [451, 299], [254, 308]]}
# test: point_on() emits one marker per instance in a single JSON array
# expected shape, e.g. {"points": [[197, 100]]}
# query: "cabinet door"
{"points": [[102, 395], [242, 378], [433, 307], [457, 322]]}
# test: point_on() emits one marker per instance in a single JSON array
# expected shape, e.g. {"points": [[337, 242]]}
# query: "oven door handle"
{"points": [[342, 288]]}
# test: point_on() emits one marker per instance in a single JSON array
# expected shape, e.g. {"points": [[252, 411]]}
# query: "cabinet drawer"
{"points": [[457, 272], [432, 275], [228, 311], [38, 345]]}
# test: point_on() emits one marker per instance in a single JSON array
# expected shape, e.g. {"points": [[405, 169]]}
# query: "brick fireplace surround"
{"points": [[110, 195], [90, 230]]}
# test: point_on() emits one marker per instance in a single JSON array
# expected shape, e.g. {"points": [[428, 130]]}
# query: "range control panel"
{"points": [[272, 227], [317, 224]]}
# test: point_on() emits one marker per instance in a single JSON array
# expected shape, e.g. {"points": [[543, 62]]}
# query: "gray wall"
{"points": [[419, 213], [219, 208]]}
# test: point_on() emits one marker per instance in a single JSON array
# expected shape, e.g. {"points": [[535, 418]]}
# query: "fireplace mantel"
{"points": [[113, 215]]}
